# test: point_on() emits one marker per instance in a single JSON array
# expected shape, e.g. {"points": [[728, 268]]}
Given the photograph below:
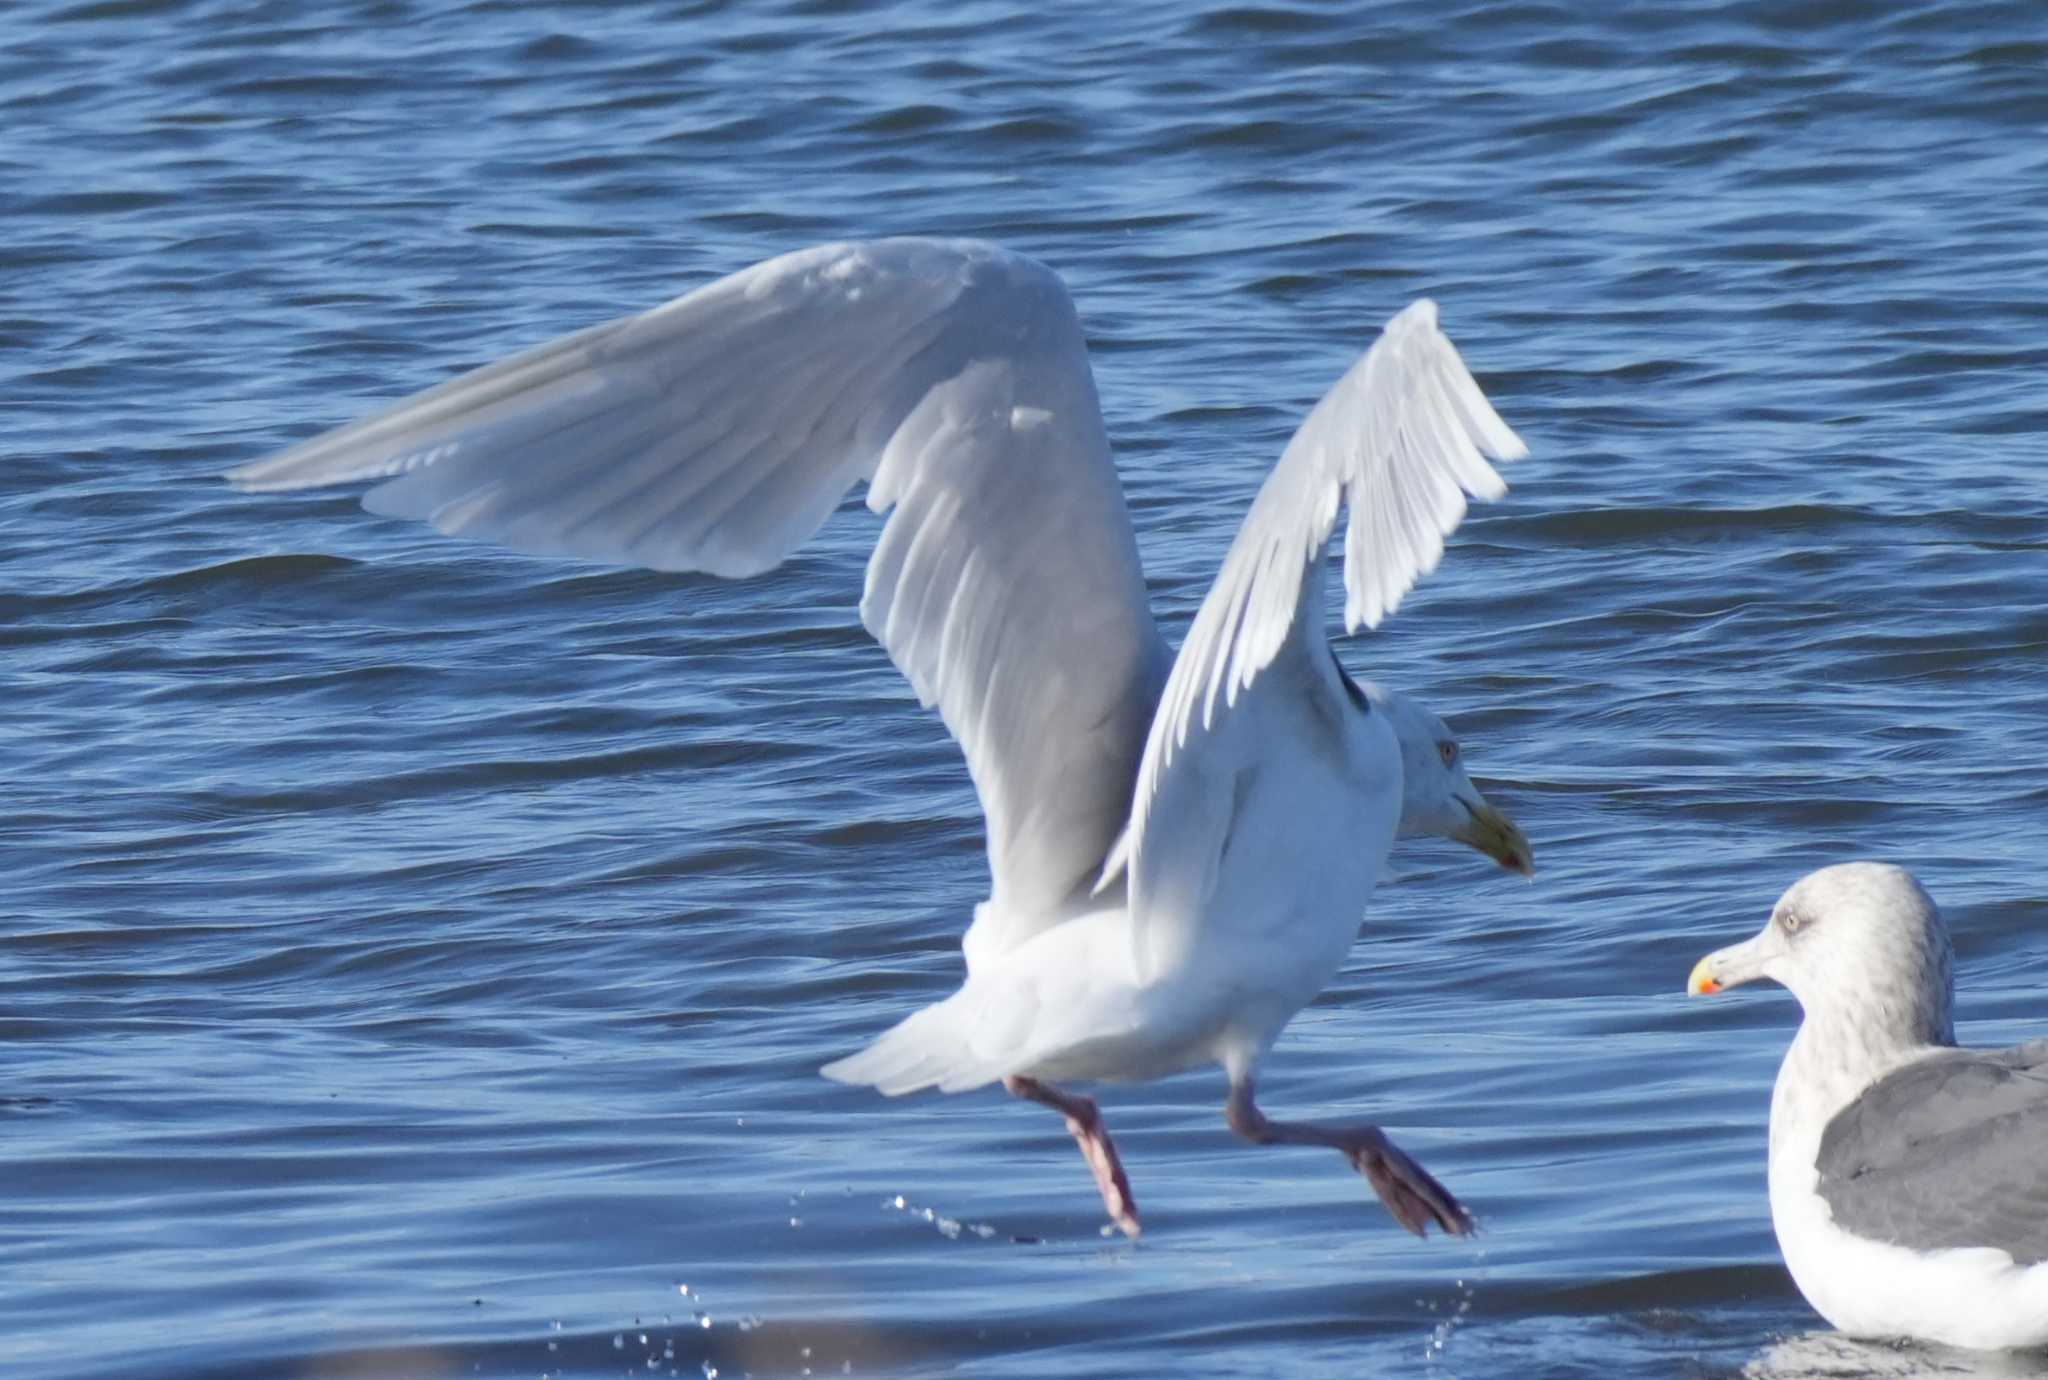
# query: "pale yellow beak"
{"points": [[1733, 966], [1702, 982], [1497, 836]]}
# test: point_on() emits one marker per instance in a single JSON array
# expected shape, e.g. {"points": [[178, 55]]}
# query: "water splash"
{"points": [[952, 1228]]}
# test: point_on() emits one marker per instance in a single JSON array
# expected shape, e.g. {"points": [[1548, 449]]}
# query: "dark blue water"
{"points": [[414, 959]]}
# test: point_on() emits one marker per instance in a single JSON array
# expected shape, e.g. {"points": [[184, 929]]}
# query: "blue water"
{"points": [[414, 958]]}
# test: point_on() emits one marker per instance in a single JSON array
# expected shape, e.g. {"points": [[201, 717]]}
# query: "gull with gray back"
{"points": [[1908, 1177]]}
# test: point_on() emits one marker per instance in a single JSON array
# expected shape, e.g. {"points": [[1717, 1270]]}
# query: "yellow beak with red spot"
{"points": [[1735, 965]]}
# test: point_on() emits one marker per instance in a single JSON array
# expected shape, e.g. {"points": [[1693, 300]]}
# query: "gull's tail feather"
{"points": [[931, 1048], [1066, 989]]}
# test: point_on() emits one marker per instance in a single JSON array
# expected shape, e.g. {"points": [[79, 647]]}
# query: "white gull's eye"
{"points": [[1449, 752]]}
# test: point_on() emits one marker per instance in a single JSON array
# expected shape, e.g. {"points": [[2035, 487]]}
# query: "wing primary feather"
{"points": [[424, 489], [357, 451], [626, 516], [790, 435]]}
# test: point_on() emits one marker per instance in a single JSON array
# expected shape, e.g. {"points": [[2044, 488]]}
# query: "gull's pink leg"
{"points": [[1085, 1121], [1409, 1192]]}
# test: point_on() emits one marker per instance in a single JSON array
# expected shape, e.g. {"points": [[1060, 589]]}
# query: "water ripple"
{"points": [[419, 957]]}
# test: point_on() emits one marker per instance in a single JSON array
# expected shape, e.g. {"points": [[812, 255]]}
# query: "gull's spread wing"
{"points": [[717, 433], [1402, 438]]}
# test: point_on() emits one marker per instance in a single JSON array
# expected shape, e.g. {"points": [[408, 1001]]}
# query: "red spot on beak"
{"points": [[1702, 981]]}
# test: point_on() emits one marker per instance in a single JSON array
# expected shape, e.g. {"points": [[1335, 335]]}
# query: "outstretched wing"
{"points": [[1950, 1150], [717, 433], [1401, 438]]}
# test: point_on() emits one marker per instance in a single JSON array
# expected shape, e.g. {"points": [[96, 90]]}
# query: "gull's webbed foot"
{"points": [[1410, 1192]]}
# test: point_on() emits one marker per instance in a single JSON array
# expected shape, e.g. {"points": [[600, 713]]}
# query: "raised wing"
{"points": [[1950, 1150], [716, 433], [1401, 438]]}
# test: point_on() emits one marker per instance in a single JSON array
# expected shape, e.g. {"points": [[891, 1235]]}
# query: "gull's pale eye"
{"points": [[1449, 752], [1790, 921]]}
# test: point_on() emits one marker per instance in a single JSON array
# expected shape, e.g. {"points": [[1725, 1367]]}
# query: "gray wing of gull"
{"points": [[1950, 1150], [717, 433]]}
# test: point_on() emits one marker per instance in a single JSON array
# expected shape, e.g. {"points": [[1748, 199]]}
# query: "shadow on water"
{"points": [[1831, 1356]]}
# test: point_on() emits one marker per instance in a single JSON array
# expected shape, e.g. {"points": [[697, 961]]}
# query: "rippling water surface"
{"points": [[414, 958]]}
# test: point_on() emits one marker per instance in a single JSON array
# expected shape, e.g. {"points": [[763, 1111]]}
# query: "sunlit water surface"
{"points": [[415, 959]]}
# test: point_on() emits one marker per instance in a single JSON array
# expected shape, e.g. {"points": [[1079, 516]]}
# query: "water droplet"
{"points": [[618, 1341]]}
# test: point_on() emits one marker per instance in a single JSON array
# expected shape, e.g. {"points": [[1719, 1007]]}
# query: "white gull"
{"points": [[1180, 847]]}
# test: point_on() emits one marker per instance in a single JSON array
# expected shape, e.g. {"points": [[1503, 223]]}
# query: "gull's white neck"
{"points": [[1831, 1061]]}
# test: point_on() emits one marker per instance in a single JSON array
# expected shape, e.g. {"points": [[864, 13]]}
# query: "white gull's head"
{"points": [[1437, 797], [1860, 943]]}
